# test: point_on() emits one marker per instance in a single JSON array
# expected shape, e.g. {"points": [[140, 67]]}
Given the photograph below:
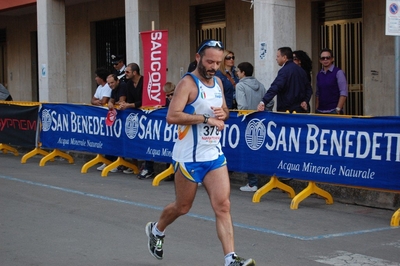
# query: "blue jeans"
{"points": [[252, 180], [149, 165]]}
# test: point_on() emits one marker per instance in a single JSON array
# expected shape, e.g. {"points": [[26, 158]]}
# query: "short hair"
{"points": [[247, 68], [134, 67], [115, 77], [169, 87], [326, 50], [286, 51], [102, 73]]}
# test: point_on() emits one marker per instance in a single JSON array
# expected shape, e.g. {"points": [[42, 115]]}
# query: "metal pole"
{"points": [[397, 73]]}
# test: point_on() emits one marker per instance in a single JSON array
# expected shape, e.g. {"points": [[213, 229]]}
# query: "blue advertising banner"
{"points": [[134, 134], [357, 151]]}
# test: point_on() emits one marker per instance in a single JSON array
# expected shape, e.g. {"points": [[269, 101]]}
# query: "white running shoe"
{"points": [[101, 167], [248, 188], [128, 171]]}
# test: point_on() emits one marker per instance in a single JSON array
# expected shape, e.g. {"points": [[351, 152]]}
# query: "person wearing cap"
{"points": [[199, 110], [119, 66]]}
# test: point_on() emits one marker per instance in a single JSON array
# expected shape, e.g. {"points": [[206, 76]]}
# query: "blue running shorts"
{"points": [[196, 172]]}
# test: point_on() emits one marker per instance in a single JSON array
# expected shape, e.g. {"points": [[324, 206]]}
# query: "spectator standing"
{"points": [[331, 90], [291, 86], [134, 90], [197, 154], [249, 91], [227, 74], [119, 66], [302, 59]]}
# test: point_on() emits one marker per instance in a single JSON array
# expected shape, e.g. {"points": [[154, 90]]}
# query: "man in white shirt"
{"points": [[103, 91]]}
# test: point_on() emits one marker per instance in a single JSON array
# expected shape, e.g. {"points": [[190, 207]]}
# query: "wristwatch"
{"points": [[338, 109], [206, 117]]}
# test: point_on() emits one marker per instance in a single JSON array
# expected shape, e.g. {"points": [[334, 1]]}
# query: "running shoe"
{"points": [[155, 242], [101, 167], [238, 261], [248, 188], [145, 173], [128, 171]]}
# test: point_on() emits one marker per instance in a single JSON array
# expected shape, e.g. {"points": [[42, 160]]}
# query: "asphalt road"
{"points": [[54, 215]]}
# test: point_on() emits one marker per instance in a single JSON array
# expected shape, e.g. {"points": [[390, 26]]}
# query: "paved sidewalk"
{"points": [[54, 215]]}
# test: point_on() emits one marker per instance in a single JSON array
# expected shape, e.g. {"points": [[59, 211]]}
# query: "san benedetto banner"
{"points": [[355, 151], [155, 51]]}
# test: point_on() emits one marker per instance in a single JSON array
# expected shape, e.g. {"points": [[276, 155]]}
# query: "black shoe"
{"points": [[155, 243]]}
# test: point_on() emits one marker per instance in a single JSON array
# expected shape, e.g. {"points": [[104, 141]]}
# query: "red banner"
{"points": [[155, 50]]}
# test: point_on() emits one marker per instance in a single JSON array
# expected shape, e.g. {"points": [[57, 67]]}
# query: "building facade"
{"points": [[50, 49]]}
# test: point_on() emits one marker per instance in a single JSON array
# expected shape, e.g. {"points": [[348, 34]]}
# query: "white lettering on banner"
{"points": [[289, 166], [63, 141], [153, 152], [92, 144], [290, 144], [228, 131], [326, 170], [78, 142], [316, 169], [166, 152], [60, 122], [82, 124], [351, 144], [170, 132], [151, 130], [366, 174], [154, 86]]}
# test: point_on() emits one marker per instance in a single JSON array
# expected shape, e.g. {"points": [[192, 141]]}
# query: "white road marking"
{"points": [[346, 258]]}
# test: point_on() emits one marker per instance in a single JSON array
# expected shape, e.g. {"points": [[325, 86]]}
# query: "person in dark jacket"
{"points": [[291, 86]]}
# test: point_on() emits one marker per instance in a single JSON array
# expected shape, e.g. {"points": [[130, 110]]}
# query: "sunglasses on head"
{"points": [[211, 43], [325, 58], [230, 57]]}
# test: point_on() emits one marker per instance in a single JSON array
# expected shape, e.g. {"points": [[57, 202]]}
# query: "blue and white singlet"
{"points": [[200, 142]]}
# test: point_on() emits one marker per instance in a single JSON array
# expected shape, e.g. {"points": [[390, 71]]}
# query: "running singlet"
{"points": [[201, 142]]}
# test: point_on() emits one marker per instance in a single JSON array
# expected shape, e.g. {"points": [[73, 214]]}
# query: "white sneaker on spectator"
{"points": [[114, 170], [128, 171], [248, 188], [101, 167]]}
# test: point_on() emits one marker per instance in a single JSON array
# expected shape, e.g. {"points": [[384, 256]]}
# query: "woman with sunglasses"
{"points": [[227, 74], [331, 88]]}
